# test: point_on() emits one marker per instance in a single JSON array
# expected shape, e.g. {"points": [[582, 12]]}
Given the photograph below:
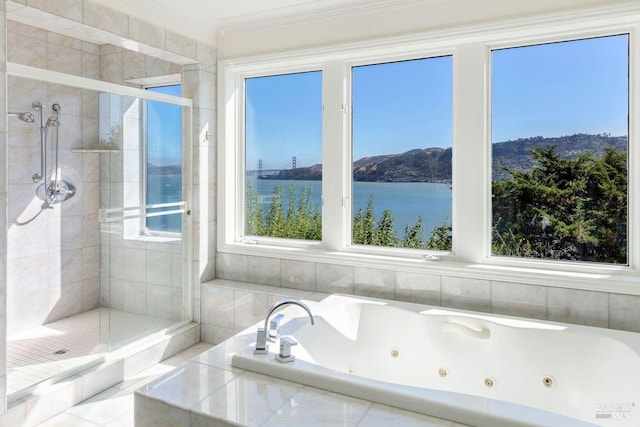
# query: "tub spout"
{"points": [[261, 338]]}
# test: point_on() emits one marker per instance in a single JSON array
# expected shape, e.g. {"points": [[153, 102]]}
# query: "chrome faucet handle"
{"points": [[261, 342], [261, 338], [274, 324], [285, 356]]}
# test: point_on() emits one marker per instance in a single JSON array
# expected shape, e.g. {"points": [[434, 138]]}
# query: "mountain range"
{"points": [[434, 164]]}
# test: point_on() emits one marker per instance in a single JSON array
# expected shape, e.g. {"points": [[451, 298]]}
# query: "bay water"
{"points": [[405, 200]]}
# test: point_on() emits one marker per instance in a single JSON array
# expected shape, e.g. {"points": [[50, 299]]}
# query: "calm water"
{"points": [[406, 201], [164, 189]]}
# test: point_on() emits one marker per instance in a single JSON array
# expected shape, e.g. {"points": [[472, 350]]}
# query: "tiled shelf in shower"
{"points": [[93, 150]]}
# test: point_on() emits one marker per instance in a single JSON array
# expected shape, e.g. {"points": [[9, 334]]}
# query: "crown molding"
{"points": [[311, 10]]}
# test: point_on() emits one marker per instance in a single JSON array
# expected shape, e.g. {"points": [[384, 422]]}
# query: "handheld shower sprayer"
{"points": [[52, 121], [53, 189]]}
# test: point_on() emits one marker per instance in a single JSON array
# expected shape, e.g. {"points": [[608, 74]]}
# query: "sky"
{"points": [[545, 90], [163, 129], [283, 120], [561, 89]]}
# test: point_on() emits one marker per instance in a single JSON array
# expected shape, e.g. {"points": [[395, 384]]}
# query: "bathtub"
{"points": [[474, 368]]}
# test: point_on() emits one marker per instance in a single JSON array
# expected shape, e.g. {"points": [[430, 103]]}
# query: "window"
{"points": [[163, 163], [283, 149], [499, 151], [560, 135], [402, 145]]}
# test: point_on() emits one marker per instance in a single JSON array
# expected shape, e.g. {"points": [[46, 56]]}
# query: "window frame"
{"points": [[471, 211], [144, 229], [633, 159], [633, 263], [379, 60]]}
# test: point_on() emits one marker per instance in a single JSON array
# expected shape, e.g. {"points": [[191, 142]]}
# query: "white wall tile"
{"points": [[467, 294], [249, 308], [135, 297], [297, 274], [177, 43], [517, 299], [624, 312], [159, 268], [146, 33], [232, 267], [103, 18], [70, 9], [159, 301], [418, 288], [217, 306], [578, 307], [334, 278], [374, 282], [263, 270]]}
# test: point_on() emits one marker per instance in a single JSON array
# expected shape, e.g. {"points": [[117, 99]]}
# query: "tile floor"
{"points": [[114, 407], [52, 349]]}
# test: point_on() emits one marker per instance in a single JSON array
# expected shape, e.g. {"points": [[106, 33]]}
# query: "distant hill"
{"points": [[419, 165], [515, 154], [163, 170], [434, 164]]}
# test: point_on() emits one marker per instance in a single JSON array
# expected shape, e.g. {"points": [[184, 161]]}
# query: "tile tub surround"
{"points": [[582, 307], [229, 307], [208, 391]]}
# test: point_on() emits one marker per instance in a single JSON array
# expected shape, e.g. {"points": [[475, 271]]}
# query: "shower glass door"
{"points": [[145, 227]]}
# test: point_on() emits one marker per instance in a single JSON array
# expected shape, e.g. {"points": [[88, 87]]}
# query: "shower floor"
{"points": [[49, 350]]}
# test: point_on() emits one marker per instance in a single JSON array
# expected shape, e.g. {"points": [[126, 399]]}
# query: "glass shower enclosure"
{"points": [[143, 215], [101, 270]]}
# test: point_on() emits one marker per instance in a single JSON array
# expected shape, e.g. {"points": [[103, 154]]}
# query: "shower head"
{"points": [[25, 117], [53, 121]]}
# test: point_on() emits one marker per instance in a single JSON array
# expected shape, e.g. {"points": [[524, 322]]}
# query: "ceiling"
{"points": [[203, 19]]}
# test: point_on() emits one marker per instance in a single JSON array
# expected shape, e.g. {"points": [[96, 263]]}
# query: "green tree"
{"points": [[413, 235], [254, 224], [364, 225], [297, 217], [275, 220], [301, 220], [571, 209], [440, 238], [369, 231], [385, 234]]}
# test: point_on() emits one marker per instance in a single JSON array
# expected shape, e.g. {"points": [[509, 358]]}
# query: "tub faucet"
{"points": [[261, 339]]}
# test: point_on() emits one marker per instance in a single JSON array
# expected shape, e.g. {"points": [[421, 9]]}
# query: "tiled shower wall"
{"points": [[52, 252], [221, 298]]}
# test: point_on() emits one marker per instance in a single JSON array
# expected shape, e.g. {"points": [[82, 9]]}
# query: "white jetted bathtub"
{"points": [[475, 368]]}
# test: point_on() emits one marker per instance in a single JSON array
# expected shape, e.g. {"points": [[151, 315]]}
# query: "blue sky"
{"points": [[284, 119], [561, 89], [548, 90], [400, 106], [163, 127]]}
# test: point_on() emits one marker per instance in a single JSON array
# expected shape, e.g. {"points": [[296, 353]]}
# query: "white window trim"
{"points": [[471, 219]]}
